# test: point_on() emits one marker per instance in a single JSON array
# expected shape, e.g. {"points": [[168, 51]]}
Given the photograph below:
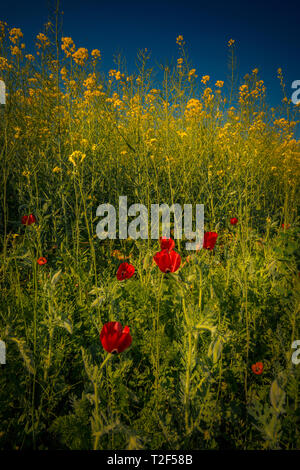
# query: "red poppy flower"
{"points": [[210, 239], [167, 261], [41, 261], [114, 339], [125, 271], [28, 219], [233, 221], [166, 243], [285, 226], [257, 368]]}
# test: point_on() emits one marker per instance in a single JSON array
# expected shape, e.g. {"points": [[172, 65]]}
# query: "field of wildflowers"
{"points": [[139, 344]]}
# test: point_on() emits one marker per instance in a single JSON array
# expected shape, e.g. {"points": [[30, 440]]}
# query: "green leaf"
{"points": [[277, 396], [25, 353], [55, 278], [215, 349], [67, 324], [98, 301]]}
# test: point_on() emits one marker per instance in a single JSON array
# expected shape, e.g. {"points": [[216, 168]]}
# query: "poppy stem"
{"points": [[105, 360], [157, 338], [97, 437]]}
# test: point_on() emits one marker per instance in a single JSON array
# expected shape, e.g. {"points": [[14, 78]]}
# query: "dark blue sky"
{"points": [[267, 34]]}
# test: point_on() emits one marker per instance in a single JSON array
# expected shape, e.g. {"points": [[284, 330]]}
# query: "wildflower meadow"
{"points": [[139, 343]]}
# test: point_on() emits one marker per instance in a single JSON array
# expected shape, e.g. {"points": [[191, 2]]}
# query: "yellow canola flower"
{"points": [[205, 79], [15, 34], [179, 40], [68, 46], [57, 169], [77, 157], [96, 54], [80, 56]]}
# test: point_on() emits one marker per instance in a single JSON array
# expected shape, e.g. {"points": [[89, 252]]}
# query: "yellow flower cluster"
{"points": [[192, 74], [43, 41], [15, 50], [115, 74], [193, 109], [245, 95], [219, 83], [205, 79], [179, 40], [57, 169], [208, 96], [179, 62], [80, 56], [68, 46], [77, 157], [4, 64], [96, 54], [90, 82], [182, 134], [115, 100], [3, 24], [15, 34], [231, 42]]}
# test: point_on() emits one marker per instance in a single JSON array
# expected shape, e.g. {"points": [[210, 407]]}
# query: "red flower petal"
{"points": [[233, 221], [210, 239], [166, 243], [114, 338], [125, 271], [257, 368], [28, 219], [167, 261], [41, 261]]}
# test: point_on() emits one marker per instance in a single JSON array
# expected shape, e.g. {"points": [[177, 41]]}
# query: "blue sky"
{"points": [[266, 34]]}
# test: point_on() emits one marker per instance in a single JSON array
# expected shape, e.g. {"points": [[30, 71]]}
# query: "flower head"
{"points": [[125, 271], [210, 239], [77, 157], [80, 56], [205, 79], [167, 261], [28, 219], [41, 261], [233, 221], [257, 368], [179, 40], [114, 339]]}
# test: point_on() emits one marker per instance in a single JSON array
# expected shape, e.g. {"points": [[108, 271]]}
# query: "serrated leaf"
{"points": [[277, 396], [56, 277], [215, 349], [26, 354], [98, 301], [66, 323], [205, 326]]}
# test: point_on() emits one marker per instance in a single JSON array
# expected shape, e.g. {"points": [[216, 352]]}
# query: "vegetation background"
{"points": [[73, 137]]}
